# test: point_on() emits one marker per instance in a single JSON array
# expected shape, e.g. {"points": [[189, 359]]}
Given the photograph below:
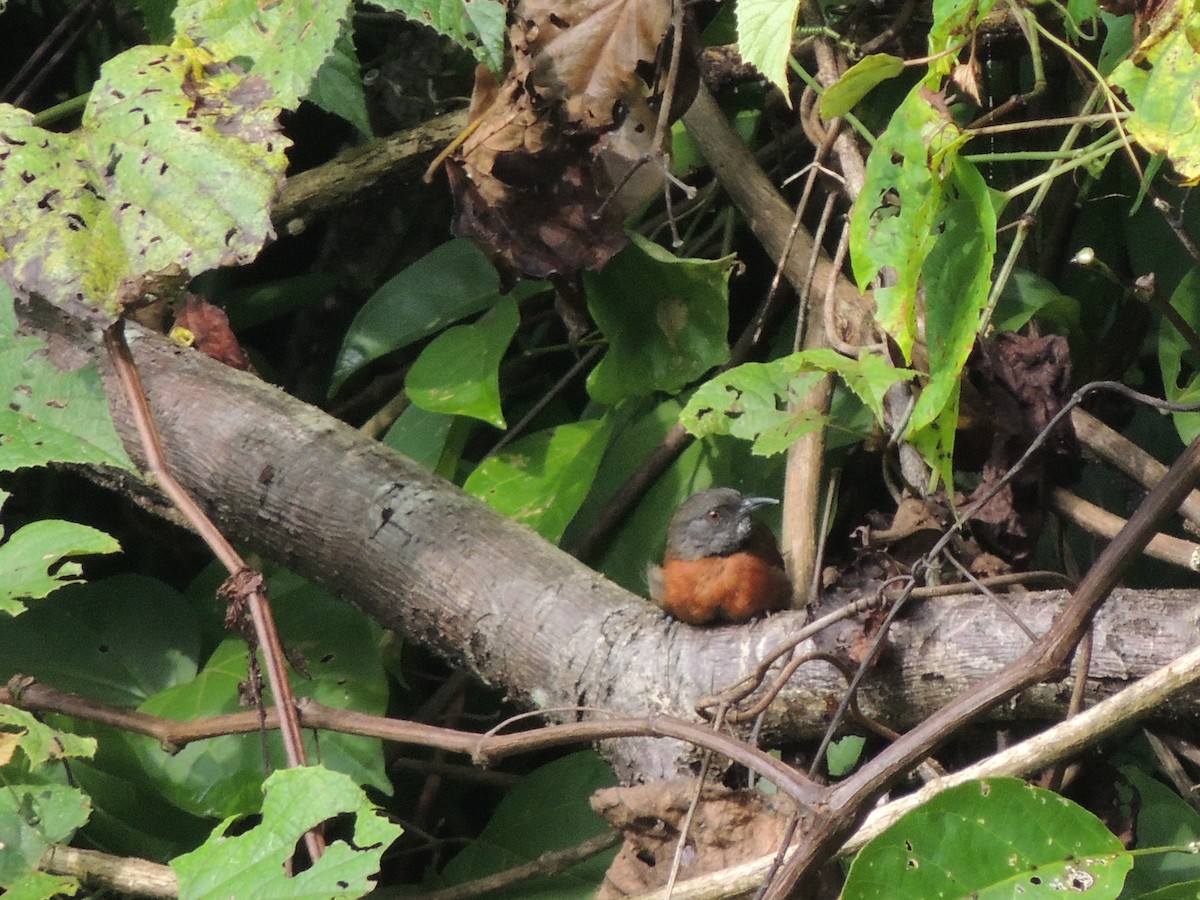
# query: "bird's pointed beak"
{"points": [[750, 504]]}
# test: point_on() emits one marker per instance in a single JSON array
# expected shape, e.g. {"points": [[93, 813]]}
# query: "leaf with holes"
{"points": [[994, 838], [172, 171], [285, 44], [252, 864]]}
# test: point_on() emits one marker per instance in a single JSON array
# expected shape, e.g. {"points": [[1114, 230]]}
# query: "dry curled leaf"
{"points": [[730, 827], [560, 153], [208, 329]]}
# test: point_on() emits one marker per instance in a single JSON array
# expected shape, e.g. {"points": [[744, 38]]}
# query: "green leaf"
{"points": [[283, 43], [32, 817], [858, 81], [993, 838], [49, 415], [1027, 295], [765, 29], [449, 283], [171, 173], [1175, 356], [844, 754], [1163, 819], [954, 21], [222, 776], [338, 87], [892, 226], [435, 440], [666, 320], [117, 640], [38, 741], [475, 25], [252, 864], [754, 401], [34, 885], [459, 372], [1159, 81], [32, 559], [547, 810], [957, 277], [541, 480]]}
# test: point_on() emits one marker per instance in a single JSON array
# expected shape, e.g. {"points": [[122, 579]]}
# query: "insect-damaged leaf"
{"points": [[172, 171]]}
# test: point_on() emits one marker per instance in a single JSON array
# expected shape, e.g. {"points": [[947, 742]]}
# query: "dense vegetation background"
{"points": [[864, 270]]}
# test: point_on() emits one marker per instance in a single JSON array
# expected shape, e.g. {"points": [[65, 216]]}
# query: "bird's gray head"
{"points": [[715, 522]]}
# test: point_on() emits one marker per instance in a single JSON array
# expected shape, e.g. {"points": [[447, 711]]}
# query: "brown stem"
{"points": [[260, 610]]}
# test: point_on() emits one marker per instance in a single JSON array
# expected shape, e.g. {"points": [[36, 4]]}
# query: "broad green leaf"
{"points": [[541, 480], [936, 442], [39, 742], [252, 864], [957, 277], [754, 401], [858, 81], [435, 440], [171, 173], [892, 225], [285, 44], [338, 87], [988, 839], [764, 30], [1176, 357], [547, 810], [32, 559], [118, 640], [459, 372], [222, 776], [1118, 41], [32, 817], [449, 283], [1162, 819], [36, 885], [475, 25], [666, 320], [1159, 80], [49, 415], [1027, 295]]}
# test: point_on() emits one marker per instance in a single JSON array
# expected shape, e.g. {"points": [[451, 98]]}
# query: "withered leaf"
{"points": [[586, 53], [562, 151], [729, 827]]}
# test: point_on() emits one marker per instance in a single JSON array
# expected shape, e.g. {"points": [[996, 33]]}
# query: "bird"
{"points": [[721, 563]]}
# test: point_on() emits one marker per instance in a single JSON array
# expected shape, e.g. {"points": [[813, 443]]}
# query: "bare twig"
{"points": [[260, 609]]}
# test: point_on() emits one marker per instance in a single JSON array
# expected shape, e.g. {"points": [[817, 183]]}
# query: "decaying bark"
{"points": [[421, 557]]}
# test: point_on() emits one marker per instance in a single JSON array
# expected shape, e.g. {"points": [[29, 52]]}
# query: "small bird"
{"points": [[721, 563]]}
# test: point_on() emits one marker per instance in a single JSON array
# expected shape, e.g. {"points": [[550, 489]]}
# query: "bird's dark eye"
{"points": [[713, 515]]}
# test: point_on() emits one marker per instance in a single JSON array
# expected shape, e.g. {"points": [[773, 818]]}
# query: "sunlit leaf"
{"points": [[1159, 80], [764, 29], [892, 224], [459, 372], [283, 43], [858, 81], [994, 838], [475, 25], [251, 864], [542, 479]]}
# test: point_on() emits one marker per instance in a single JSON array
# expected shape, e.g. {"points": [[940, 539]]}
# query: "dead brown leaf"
{"points": [[561, 152], [730, 827]]}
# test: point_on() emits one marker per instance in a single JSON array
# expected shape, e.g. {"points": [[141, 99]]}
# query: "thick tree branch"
{"points": [[420, 557]]}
